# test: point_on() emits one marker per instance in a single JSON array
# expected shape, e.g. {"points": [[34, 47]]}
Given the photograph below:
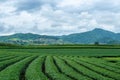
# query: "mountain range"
{"points": [[90, 37]]}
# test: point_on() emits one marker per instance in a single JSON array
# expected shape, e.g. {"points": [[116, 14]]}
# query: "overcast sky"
{"points": [[58, 17]]}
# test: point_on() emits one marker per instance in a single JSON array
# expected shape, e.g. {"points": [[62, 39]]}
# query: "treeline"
{"points": [[8, 45], [64, 46]]}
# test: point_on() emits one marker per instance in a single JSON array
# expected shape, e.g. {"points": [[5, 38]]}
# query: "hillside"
{"points": [[89, 37], [30, 38], [96, 35]]}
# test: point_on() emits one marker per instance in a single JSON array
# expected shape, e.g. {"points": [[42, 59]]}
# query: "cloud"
{"points": [[58, 17], [79, 5], [6, 8], [3, 1], [28, 4], [2, 28]]}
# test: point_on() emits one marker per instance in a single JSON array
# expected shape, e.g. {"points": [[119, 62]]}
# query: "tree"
{"points": [[96, 43]]}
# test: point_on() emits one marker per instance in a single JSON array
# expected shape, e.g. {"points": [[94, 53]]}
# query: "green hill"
{"points": [[30, 38], [96, 35], [90, 37]]}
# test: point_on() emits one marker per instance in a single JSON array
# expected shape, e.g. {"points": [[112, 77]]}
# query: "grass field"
{"points": [[60, 63]]}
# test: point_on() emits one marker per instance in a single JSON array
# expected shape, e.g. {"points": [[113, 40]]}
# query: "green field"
{"points": [[60, 63]]}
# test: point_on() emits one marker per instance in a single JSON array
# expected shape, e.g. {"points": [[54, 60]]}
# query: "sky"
{"points": [[58, 17]]}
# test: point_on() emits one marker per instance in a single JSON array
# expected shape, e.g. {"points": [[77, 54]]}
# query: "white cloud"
{"points": [[75, 4], [6, 9], [59, 17]]}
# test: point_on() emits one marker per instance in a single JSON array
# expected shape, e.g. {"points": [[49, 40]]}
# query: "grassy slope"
{"points": [[67, 52], [78, 50]]}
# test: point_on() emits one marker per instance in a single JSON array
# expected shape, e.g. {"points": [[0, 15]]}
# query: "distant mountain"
{"points": [[89, 37], [96, 35], [30, 38], [27, 36]]}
